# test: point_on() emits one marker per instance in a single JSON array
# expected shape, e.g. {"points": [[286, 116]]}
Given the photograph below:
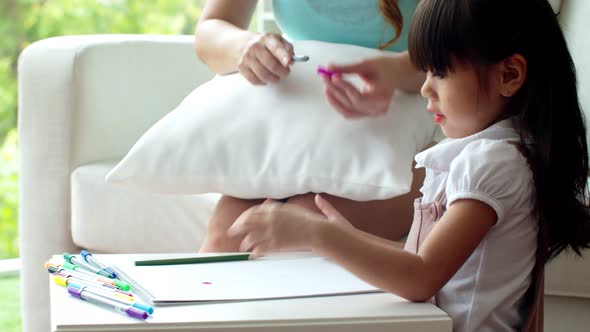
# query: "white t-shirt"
{"points": [[488, 290]]}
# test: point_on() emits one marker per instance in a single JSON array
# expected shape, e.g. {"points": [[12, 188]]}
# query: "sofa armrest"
{"points": [[84, 99]]}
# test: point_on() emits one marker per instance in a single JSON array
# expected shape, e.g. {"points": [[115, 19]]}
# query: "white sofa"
{"points": [[83, 102]]}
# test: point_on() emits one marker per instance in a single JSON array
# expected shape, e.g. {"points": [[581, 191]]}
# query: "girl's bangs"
{"points": [[438, 35]]}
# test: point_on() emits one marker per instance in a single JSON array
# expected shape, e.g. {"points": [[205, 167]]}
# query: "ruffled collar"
{"points": [[440, 156]]}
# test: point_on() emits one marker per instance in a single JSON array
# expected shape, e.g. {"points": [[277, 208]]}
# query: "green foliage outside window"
{"points": [[8, 197], [23, 22]]}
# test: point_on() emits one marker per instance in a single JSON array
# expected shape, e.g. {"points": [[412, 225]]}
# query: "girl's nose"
{"points": [[427, 90]]}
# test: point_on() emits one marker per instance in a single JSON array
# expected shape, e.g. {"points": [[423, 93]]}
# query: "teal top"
{"points": [[357, 22]]}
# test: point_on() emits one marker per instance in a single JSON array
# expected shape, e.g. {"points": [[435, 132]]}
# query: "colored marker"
{"points": [[56, 274], [107, 303], [65, 281], [83, 264], [137, 288], [77, 271], [115, 297], [67, 269], [325, 72], [300, 58], [96, 263]]}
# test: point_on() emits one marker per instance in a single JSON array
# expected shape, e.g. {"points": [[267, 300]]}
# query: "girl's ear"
{"points": [[513, 74]]}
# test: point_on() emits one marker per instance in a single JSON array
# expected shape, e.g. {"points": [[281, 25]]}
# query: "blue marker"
{"points": [[93, 261], [84, 265]]}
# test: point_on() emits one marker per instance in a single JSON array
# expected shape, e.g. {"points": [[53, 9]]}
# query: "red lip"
{"points": [[438, 117]]}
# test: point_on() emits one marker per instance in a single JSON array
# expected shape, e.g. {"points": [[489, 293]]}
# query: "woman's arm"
{"points": [[222, 34], [224, 44]]}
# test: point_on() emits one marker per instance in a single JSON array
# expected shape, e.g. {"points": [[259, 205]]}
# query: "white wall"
{"points": [[575, 23]]}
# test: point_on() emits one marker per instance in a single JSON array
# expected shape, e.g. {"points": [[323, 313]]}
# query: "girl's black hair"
{"points": [[546, 108]]}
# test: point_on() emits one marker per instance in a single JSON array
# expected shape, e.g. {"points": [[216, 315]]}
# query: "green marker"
{"points": [[84, 265], [78, 272]]}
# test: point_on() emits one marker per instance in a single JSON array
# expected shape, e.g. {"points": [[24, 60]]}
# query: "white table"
{"points": [[361, 312]]}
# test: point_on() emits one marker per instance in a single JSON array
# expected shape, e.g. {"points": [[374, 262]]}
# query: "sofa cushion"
{"points": [[110, 218]]}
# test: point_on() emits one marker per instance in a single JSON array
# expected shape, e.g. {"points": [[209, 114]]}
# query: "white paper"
{"points": [[263, 278]]}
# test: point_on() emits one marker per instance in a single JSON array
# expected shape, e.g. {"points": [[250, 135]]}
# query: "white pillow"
{"points": [[279, 140]]}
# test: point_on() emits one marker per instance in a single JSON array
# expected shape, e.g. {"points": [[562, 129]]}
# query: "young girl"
{"points": [[506, 190]]}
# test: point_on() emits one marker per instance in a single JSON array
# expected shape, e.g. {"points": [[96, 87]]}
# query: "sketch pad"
{"points": [[263, 278]]}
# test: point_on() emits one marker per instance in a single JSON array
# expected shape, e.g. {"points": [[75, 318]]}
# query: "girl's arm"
{"points": [[414, 277], [417, 277]]}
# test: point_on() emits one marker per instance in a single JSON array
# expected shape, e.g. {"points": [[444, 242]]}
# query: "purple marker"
{"points": [[104, 302], [325, 72]]}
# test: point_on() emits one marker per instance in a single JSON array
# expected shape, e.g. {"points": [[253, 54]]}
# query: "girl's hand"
{"points": [[266, 59], [283, 227], [373, 99]]}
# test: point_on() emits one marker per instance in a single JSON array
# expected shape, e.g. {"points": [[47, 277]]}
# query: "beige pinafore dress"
{"points": [[425, 217]]}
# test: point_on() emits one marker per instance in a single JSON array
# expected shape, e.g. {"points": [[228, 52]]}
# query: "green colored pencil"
{"points": [[193, 260]]}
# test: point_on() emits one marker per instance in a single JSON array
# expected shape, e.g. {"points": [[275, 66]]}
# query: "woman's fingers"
{"points": [[266, 59], [347, 99], [262, 72], [280, 49], [341, 108], [347, 89], [355, 68], [373, 97], [250, 76], [338, 99]]}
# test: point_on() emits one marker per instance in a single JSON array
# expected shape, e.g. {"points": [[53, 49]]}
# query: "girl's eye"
{"points": [[439, 74]]}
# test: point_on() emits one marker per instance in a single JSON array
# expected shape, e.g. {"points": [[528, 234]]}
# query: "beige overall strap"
{"points": [[534, 319], [425, 217]]}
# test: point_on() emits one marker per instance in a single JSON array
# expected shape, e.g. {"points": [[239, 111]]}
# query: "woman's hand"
{"points": [[265, 59], [380, 76], [284, 227]]}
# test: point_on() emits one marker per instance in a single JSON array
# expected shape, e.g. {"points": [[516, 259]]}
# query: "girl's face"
{"points": [[461, 103]]}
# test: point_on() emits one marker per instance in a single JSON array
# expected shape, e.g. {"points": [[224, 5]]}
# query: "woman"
{"points": [[223, 42]]}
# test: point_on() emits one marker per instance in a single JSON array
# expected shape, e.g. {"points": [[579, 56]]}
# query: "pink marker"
{"points": [[325, 72]]}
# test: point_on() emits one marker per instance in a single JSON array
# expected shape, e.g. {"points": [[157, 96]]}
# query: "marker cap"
{"points": [[60, 280], [76, 292], [136, 313], [85, 253], [145, 308], [325, 72], [68, 257], [121, 285], [70, 266]]}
